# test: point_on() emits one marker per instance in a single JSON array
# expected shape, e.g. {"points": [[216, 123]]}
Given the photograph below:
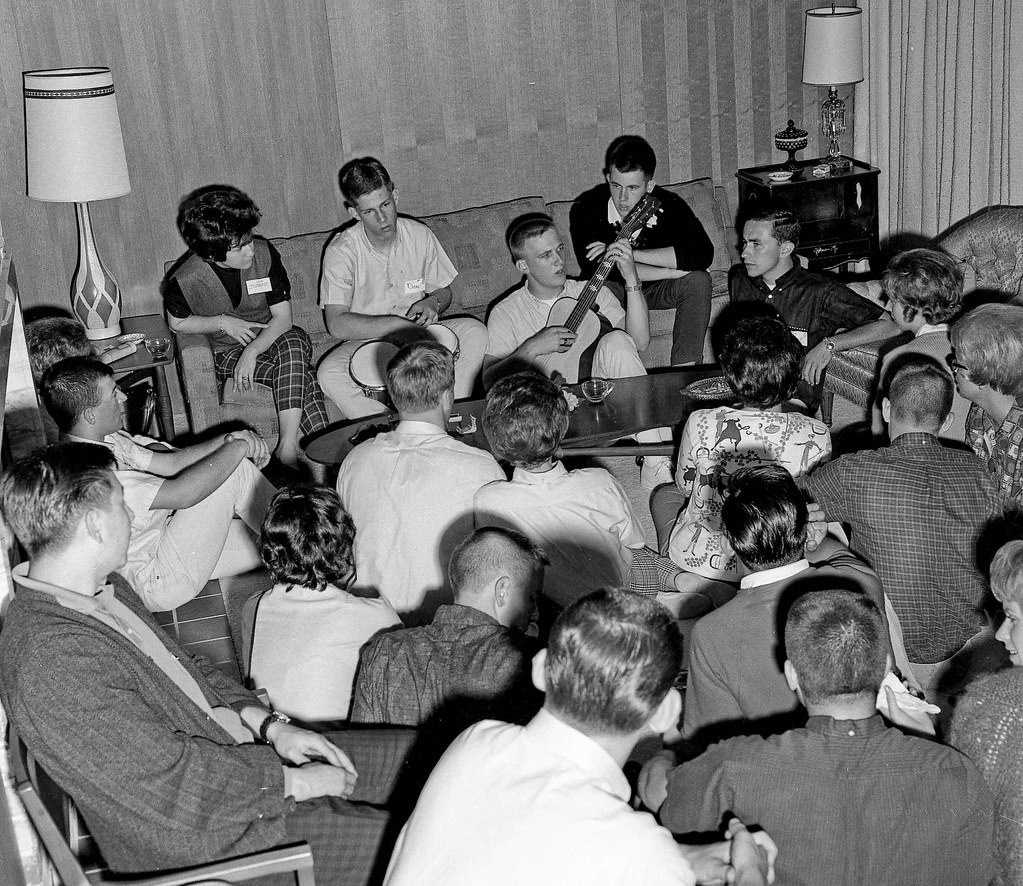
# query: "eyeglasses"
{"points": [[956, 366]]}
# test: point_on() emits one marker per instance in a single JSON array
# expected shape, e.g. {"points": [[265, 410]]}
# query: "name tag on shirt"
{"points": [[414, 286], [260, 284]]}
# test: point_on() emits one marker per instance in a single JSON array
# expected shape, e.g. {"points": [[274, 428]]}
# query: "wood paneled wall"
{"points": [[466, 101], [239, 91]]}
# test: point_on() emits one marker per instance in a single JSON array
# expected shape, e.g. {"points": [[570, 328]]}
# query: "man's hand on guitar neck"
{"points": [[621, 252], [549, 340], [651, 264]]}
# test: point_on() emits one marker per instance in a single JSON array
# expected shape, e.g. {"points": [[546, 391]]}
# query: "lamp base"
{"points": [[95, 295]]}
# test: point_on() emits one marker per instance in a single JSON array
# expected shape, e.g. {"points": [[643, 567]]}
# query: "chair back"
{"points": [[64, 860], [29, 778]]}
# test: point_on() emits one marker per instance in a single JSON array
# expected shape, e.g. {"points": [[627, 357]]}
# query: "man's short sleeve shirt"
{"points": [[367, 280], [521, 315]]}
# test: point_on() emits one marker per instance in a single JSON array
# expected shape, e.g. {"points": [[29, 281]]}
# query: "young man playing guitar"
{"points": [[522, 338], [671, 255]]}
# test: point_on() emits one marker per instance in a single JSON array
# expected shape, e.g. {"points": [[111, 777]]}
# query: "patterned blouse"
{"points": [[715, 444], [999, 448]]}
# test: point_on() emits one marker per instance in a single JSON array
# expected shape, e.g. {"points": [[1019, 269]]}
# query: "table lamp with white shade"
{"points": [[74, 153], [833, 56]]}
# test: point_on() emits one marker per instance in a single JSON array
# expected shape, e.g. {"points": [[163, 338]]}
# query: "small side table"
{"points": [[143, 362], [837, 212]]}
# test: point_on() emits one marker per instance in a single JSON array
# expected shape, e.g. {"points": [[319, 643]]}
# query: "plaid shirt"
{"points": [[916, 509], [999, 448], [461, 668]]}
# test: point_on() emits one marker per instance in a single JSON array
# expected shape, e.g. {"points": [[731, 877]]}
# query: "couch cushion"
{"points": [[703, 199], [474, 241], [302, 255], [559, 210]]}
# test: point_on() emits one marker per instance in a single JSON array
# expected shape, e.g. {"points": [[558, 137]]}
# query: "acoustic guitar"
{"points": [[578, 314]]}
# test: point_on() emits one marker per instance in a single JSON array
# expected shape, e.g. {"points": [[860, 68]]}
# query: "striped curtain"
{"points": [[474, 101], [938, 111]]}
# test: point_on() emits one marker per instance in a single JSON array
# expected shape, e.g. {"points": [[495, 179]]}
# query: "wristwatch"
{"points": [[268, 721], [829, 343]]}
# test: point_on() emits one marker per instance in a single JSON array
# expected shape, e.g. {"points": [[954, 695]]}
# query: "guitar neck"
{"points": [[588, 297]]}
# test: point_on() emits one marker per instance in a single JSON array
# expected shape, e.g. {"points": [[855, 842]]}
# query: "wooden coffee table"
{"points": [[636, 404]]}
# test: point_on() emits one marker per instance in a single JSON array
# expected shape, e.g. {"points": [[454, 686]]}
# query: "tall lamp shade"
{"points": [[74, 153], [833, 55]]}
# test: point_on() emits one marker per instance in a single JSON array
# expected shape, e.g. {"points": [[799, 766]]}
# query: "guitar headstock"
{"points": [[640, 215]]}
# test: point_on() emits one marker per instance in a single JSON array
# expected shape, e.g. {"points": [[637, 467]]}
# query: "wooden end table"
{"points": [[142, 362], [837, 212]]}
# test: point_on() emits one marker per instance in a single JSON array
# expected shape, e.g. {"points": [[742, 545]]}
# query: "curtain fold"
{"points": [[940, 109]]}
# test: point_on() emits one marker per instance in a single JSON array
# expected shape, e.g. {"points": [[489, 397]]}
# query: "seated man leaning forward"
{"points": [[183, 501], [815, 306], [672, 252], [582, 518], [847, 798], [521, 337], [410, 491], [987, 358], [155, 746], [736, 685], [234, 288], [472, 661], [547, 803], [386, 277]]}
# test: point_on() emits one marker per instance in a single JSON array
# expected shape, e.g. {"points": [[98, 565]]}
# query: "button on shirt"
{"points": [[539, 804], [410, 493], [372, 281]]}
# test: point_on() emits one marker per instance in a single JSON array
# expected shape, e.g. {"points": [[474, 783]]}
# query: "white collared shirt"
{"points": [[582, 519], [521, 315], [537, 804], [305, 647], [410, 493], [770, 576], [372, 281], [928, 328]]}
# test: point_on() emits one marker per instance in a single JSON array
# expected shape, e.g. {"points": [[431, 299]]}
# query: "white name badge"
{"points": [[800, 335], [260, 284], [414, 286]]}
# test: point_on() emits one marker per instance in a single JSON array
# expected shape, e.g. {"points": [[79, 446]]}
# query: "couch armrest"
{"points": [[198, 379], [201, 389]]}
